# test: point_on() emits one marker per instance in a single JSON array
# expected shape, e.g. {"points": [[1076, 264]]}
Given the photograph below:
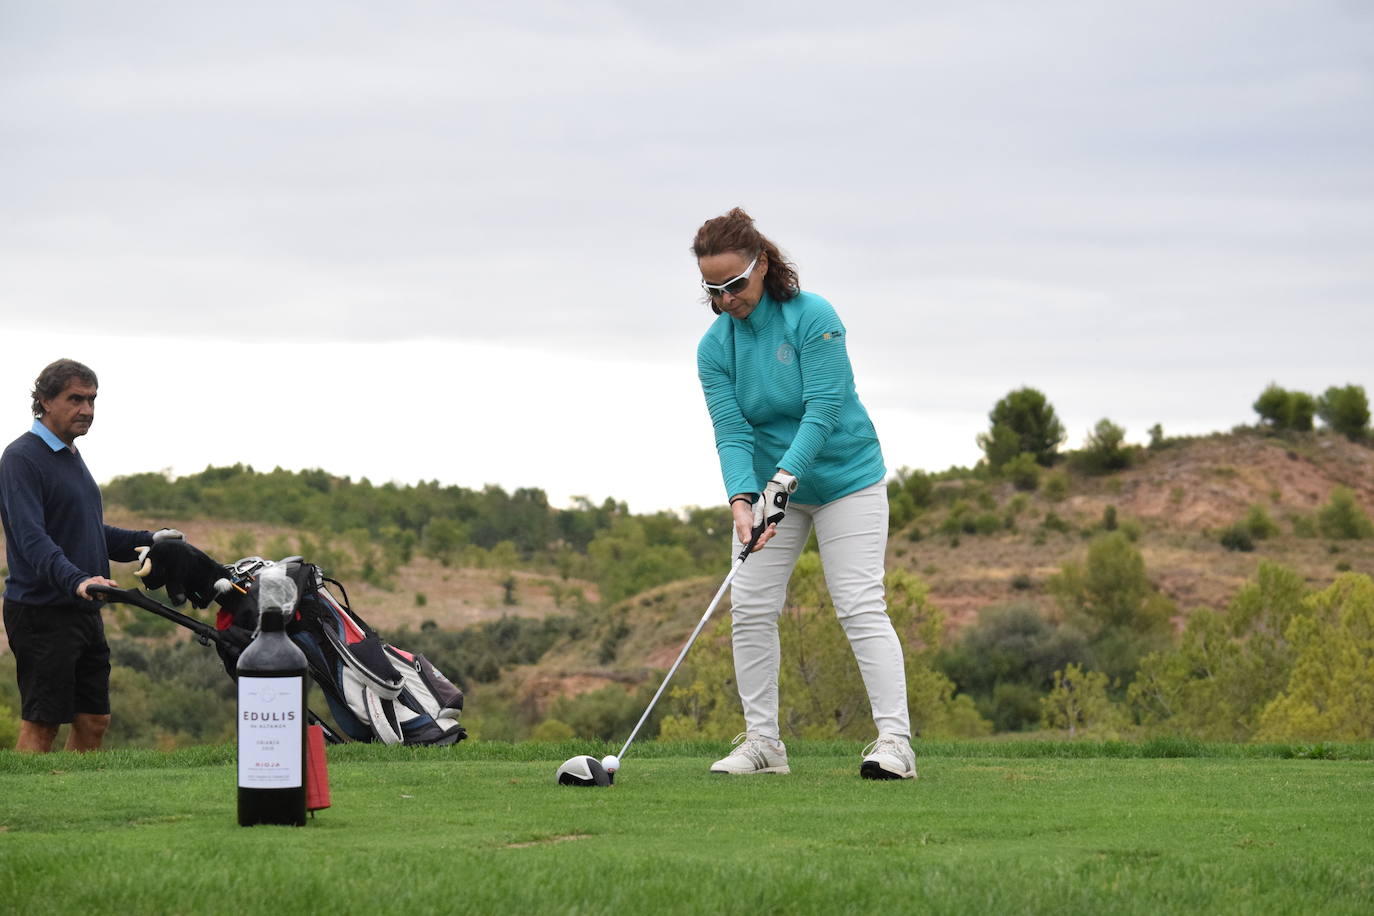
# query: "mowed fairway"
{"points": [[482, 828]]}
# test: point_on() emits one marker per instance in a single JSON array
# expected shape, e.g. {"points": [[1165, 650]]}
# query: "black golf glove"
{"points": [[183, 570], [771, 505]]}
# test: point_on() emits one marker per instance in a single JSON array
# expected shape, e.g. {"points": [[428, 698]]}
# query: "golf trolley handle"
{"points": [[203, 631], [734, 568]]}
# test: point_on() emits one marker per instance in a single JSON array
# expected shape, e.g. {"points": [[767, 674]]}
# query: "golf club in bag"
{"points": [[375, 691], [585, 770]]}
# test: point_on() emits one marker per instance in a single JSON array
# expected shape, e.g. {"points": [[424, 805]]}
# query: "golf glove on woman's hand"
{"points": [[771, 505]]}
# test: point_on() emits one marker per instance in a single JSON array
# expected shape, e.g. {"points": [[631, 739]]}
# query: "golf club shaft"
{"points": [[739, 561]]}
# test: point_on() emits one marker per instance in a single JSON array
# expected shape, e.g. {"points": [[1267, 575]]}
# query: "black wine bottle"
{"points": [[271, 713]]}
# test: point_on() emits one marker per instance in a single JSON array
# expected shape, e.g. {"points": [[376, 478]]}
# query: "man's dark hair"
{"points": [[55, 378]]}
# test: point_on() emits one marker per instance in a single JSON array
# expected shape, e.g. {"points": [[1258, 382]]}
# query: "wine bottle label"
{"points": [[270, 730]]}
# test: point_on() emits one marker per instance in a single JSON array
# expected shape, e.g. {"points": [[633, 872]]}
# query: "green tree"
{"points": [[1272, 406], [1281, 409], [442, 539], [1029, 416], [1302, 407], [1111, 600], [1227, 666], [632, 555], [1346, 410], [1009, 653], [1079, 704], [1330, 693]]}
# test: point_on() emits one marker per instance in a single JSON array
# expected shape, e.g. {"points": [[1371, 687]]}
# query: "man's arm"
{"points": [[121, 544]]}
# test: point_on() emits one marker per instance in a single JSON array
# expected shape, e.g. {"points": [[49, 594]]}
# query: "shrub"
{"points": [[1053, 522], [1013, 707], [1105, 449], [1342, 518], [1001, 445], [1056, 487], [1258, 524], [1236, 537], [1023, 472], [988, 523], [552, 730], [1304, 526], [1079, 701]]}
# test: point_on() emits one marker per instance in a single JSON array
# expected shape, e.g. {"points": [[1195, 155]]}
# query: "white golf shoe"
{"points": [[753, 754], [890, 757]]}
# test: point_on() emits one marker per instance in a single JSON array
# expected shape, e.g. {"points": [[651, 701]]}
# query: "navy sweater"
{"points": [[55, 531]]}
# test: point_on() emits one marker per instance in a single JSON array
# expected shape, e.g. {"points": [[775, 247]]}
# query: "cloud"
{"points": [[1149, 210]]}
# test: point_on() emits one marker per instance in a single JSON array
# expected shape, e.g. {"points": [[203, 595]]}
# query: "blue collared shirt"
{"points": [[47, 435]]}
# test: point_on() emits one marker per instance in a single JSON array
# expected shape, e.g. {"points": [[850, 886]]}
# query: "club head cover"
{"points": [[182, 569], [583, 771]]}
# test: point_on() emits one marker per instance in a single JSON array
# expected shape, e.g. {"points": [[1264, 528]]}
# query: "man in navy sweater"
{"points": [[58, 547]]}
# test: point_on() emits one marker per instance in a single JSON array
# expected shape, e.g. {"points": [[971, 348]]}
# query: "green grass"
{"points": [[990, 827]]}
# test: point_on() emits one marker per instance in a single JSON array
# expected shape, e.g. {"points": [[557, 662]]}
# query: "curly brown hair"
{"points": [[55, 378], [735, 231]]}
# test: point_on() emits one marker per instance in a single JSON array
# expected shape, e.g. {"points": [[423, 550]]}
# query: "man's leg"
{"points": [[87, 731], [35, 737]]}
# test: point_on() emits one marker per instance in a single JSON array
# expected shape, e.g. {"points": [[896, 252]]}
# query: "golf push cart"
{"points": [[375, 691]]}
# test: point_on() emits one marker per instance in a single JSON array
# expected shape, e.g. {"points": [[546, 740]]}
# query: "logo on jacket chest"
{"points": [[786, 354]]}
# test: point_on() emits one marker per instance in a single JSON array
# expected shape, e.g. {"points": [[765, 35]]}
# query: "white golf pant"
{"points": [[852, 535]]}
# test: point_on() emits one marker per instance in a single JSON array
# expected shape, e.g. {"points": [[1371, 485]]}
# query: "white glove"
{"points": [[164, 534], [771, 505]]}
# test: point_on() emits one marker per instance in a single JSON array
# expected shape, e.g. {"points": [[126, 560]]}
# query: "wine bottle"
{"points": [[271, 713]]}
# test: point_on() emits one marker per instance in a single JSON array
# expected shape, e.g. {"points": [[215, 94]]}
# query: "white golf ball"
{"points": [[610, 763]]}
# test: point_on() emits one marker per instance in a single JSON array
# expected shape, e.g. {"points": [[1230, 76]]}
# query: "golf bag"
{"points": [[375, 691]]}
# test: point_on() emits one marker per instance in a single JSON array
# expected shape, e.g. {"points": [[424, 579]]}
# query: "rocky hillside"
{"points": [[1174, 500]]}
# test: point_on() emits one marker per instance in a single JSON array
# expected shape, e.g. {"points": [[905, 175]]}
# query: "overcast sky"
{"points": [[450, 240]]}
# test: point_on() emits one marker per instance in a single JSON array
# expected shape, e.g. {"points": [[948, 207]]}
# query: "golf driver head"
{"points": [[583, 771]]}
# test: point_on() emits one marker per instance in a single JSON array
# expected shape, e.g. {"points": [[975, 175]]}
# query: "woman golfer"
{"points": [[793, 436]]}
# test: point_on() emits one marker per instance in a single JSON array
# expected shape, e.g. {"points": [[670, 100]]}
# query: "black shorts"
{"points": [[62, 660]]}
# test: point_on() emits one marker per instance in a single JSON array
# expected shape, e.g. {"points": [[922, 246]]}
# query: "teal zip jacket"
{"points": [[780, 391]]}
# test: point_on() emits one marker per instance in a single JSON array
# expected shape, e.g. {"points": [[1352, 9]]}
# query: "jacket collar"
{"points": [[762, 315]]}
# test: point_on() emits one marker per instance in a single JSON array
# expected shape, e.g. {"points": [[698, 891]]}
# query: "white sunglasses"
{"points": [[733, 287]]}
